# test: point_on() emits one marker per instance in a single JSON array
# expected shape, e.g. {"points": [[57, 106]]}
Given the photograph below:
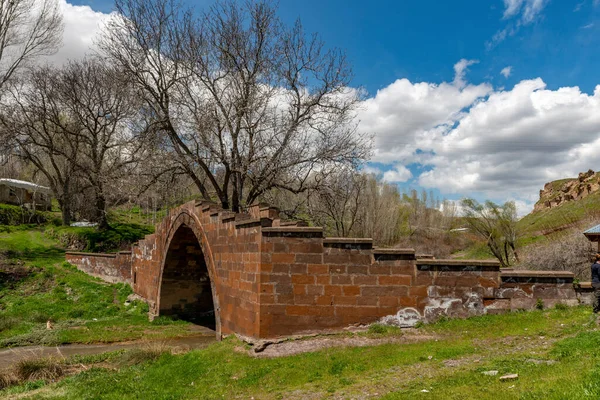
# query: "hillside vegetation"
{"points": [[569, 215], [36, 286], [552, 237]]}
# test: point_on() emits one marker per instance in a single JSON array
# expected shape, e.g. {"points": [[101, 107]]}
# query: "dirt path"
{"points": [[304, 345], [13, 355]]}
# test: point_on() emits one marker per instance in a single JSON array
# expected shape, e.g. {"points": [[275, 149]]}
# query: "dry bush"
{"points": [[33, 369], [6, 379], [149, 351], [569, 252]]}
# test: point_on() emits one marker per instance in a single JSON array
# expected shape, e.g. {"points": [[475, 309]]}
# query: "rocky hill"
{"points": [[562, 191]]}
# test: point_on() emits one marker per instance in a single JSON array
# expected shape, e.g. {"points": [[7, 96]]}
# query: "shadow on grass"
{"points": [[37, 255]]}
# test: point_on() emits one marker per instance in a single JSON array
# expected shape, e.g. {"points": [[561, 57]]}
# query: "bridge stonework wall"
{"points": [[269, 278], [113, 268]]}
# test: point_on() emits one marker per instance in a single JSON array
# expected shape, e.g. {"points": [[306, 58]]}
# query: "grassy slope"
{"points": [[555, 218], [36, 285], [561, 344], [548, 224]]}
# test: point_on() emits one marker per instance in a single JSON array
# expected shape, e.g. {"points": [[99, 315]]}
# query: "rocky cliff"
{"points": [[562, 191]]}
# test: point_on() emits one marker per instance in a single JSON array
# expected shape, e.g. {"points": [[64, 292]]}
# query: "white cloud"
{"points": [[398, 174], [588, 26], [506, 71], [82, 26], [405, 114], [523, 207], [460, 71], [370, 169], [519, 13], [528, 10], [476, 141]]}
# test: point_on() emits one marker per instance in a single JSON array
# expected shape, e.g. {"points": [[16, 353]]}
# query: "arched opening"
{"points": [[186, 291]]}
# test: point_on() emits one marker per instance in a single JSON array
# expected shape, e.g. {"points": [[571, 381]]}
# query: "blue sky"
{"points": [[419, 40], [485, 99]]}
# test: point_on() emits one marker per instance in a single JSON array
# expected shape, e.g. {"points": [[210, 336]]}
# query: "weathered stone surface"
{"points": [[262, 278], [575, 189], [509, 377]]}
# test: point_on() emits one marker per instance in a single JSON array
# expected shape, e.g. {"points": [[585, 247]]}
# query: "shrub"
{"points": [[149, 351], [570, 251], [6, 379], [117, 237], [39, 317], [539, 304], [377, 329], [561, 306], [7, 323], [381, 329], [15, 215], [47, 369]]}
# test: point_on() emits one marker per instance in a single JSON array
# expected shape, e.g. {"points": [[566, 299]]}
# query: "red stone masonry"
{"points": [[267, 278]]}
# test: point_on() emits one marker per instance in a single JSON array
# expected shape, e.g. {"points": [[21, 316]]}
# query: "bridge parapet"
{"points": [[271, 278]]}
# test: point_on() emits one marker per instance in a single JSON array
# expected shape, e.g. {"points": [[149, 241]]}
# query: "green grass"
{"points": [[554, 218], [28, 243], [36, 285], [506, 343], [15, 215], [477, 251], [135, 215], [117, 237]]}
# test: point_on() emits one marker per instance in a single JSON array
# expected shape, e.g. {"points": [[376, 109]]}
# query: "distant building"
{"points": [[26, 194]]}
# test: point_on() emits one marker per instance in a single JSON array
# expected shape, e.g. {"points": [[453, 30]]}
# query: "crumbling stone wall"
{"points": [[268, 279]]}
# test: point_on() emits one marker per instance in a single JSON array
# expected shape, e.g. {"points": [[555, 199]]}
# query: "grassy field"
{"points": [[554, 352], [36, 285]]}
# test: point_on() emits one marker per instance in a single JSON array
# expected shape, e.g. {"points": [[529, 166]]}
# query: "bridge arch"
{"points": [[187, 285]]}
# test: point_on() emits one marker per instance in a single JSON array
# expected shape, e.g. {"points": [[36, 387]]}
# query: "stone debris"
{"points": [[491, 373], [509, 377], [424, 391], [538, 362]]}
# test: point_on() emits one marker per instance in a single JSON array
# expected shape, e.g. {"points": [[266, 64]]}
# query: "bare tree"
{"points": [[337, 203], [80, 123], [497, 225], [33, 114], [28, 29], [102, 111], [382, 212], [248, 104], [570, 251]]}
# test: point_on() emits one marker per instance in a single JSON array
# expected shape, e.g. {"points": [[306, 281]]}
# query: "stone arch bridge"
{"points": [[255, 275]]}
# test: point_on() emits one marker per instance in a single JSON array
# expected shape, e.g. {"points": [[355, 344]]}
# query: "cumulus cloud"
{"points": [[499, 144], [82, 26], [397, 175], [406, 115], [506, 71]]}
